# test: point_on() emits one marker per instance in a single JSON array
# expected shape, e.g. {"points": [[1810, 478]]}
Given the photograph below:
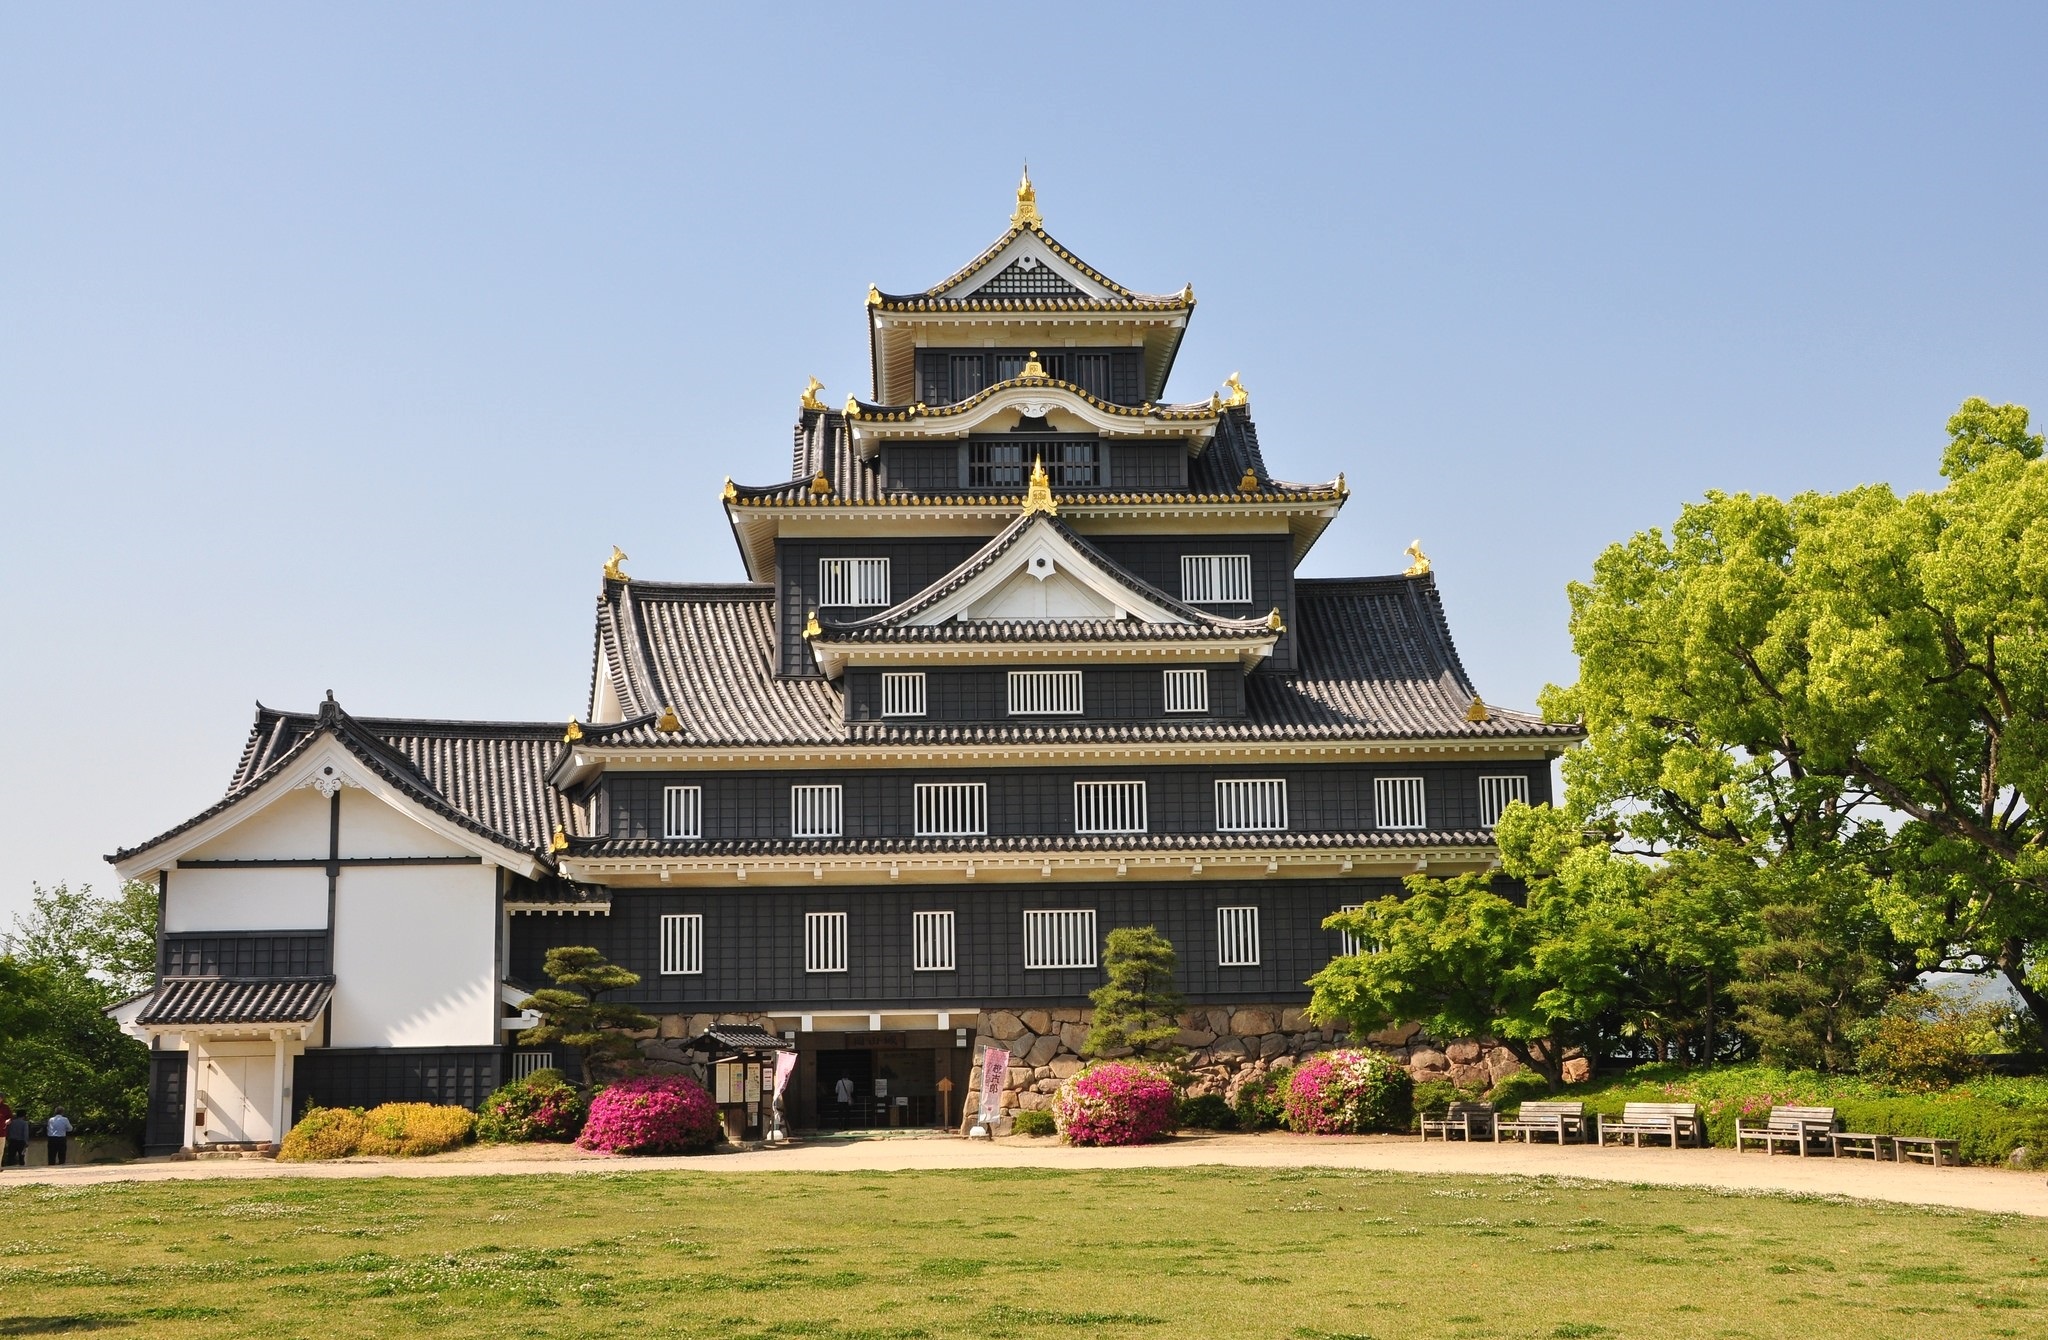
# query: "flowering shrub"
{"points": [[539, 1106], [1260, 1100], [1349, 1092], [1115, 1103], [656, 1114], [413, 1129], [323, 1133]]}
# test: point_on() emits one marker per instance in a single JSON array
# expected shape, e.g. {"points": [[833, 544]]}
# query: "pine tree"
{"points": [[572, 1014], [1137, 1009]]}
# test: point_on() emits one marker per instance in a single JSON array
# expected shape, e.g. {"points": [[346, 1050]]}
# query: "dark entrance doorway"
{"points": [[879, 1081], [846, 1090]]}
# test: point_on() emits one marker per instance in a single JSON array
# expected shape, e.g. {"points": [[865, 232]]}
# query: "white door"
{"points": [[234, 1113]]}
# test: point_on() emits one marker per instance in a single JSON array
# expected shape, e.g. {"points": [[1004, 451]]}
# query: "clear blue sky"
{"points": [[338, 344]]}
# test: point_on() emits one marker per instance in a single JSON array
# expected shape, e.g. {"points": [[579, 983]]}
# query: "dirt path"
{"points": [[1995, 1190]]}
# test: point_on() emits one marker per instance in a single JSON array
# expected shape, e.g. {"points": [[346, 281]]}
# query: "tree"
{"points": [[79, 934], [572, 1014], [1137, 1009]]}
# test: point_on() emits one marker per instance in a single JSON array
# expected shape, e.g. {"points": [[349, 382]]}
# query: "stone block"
{"points": [[1229, 1048], [1042, 1050], [1462, 1053], [1035, 1021], [1273, 1044], [1295, 1021], [1004, 1026], [1065, 1067], [1399, 1035], [1219, 1022], [1073, 1036], [1074, 1015], [1252, 1023], [1470, 1076], [672, 1026], [1577, 1070], [1423, 1059], [1194, 1037], [1029, 1102], [1020, 1048]]}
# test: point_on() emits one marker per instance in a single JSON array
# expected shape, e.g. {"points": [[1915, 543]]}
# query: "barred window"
{"points": [[814, 811], [1063, 939], [1345, 939], [853, 581], [1397, 803], [1237, 937], [682, 945], [1187, 690], [1495, 794], [1216, 579], [525, 1063], [996, 465], [952, 809], [682, 811], [931, 935], [824, 942], [903, 693], [1255, 806], [1045, 693], [1109, 807]]}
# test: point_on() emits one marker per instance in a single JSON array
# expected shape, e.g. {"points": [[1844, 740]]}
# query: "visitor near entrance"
{"points": [[58, 1131]]}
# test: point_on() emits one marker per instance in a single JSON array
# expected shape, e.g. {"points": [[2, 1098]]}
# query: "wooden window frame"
{"points": [[949, 809], [931, 938], [1064, 932], [1402, 798], [1251, 805], [824, 942], [1497, 792], [1192, 697], [808, 802], [1216, 579], [850, 583], [682, 944], [1237, 937], [908, 699], [1046, 693], [1106, 807], [682, 813]]}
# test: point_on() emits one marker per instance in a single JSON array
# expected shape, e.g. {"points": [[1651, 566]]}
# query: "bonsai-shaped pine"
{"points": [[571, 1013], [1137, 1009]]}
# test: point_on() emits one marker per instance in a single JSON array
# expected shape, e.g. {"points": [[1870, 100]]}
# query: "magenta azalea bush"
{"points": [[656, 1114], [1348, 1093], [540, 1106], [1114, 1103]]}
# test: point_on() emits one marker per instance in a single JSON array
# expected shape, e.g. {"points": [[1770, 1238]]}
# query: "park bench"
{"points": [[1862, 1145], [1803, 1128], [1463, 1121], [1564, 1121], [1676, 1122], [1926, 1149]]}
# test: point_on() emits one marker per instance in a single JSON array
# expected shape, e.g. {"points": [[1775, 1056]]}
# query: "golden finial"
{"points": [[1343, 489], [1275, 622], [1027, 215], [1039, 497], [852, 408], [1250, 482], [573, 734], [560, 841], [670, 723], [1237, 392], [820, 484], [811, 628], [612, 571], [730, 491], [1031, 366], [1477, 711], [1420, 565], [874, 296], [1187, 294], [810, 397]]}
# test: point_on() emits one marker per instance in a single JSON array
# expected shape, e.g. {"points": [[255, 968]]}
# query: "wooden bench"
{"points": [[1926, 1149], [1861, 1145], [1679, 1123], [1463, 1121], [1803, 1128], [1562, 1121]]}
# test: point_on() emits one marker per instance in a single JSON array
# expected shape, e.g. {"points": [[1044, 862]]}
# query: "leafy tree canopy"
{"points": [[1137, 1009], [573, 1014]]}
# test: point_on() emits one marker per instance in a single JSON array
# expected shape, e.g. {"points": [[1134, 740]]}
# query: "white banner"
{"points": [[995, 1068]]}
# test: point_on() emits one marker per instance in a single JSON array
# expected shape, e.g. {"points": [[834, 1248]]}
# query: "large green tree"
{"points": [[1137, 1008], [574, 1012]]}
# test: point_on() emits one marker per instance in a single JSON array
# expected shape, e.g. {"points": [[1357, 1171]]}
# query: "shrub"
{"points": [[1519, 1088], [1260, 1102], [414, 1129], [1033, 1121], [1349, 1092], [1209, 1112], [1433, 1097], [1115, 1103], [323, 1133], [539, 1106], [655, 1114], [1924, 1040]]}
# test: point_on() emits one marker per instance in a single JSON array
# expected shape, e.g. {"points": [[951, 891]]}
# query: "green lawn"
{"points": [[1167, 1253]]}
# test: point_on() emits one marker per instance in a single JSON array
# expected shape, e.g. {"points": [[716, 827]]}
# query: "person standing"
{"points": [[6, 1115], [58, 1131], [16, 1155]]}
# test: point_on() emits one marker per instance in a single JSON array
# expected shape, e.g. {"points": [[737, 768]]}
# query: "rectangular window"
{"points": [[524, 1064], [814, 811], [931, 935], [1109, 807], [952, 809], [966, 375], [824, 942], [682, 945], [1346, 939], [1257, 806], [1397, 803], [1216, 579], [1495, 793], [1074, 465], [1091, 374], [1187, 690], [682, 811], [997, 465], [1063, 939], [1237, 937], [853, 581], [1045, 693], [903, 693]]}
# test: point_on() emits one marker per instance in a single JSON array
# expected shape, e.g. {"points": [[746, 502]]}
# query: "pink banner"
{"points": [[785, 1066], [995, 1068]]}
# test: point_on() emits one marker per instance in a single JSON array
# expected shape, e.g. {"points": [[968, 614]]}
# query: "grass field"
{"points": [[1294, 1255]]}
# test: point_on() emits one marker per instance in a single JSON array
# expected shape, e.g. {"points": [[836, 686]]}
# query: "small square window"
{"points": [[824, 942]]}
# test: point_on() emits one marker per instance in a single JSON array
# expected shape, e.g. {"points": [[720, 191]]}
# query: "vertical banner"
{"points": [[785, 1066], [995, 1068]]}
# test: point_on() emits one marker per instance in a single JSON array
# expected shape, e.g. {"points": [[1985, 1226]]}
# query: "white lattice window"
{"points": [[1253, 806], [682, 945], [931, 938], [903, 693], [814, 811], [1063, 939], [682, 811], [525, 1063], [1496, 793], [1345, 939], [1109, 807], [853, 581], [1237, 937], [1216, 579], [952, 809], [824, 942], [1045, 693], [1397, 803], [1187, 690]]}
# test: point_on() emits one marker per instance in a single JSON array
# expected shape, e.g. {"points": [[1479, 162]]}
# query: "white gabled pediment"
{"points": [[1043, 575], [1030, 254]]}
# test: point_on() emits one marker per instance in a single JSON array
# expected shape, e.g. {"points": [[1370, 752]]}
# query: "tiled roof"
{"points": [[237, 1000], [934, 299], [1194, 411], [737, 1037], [1383, 839]]}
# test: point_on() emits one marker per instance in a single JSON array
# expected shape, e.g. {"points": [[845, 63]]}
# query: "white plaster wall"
{"points": [[292, 827], [246, 900], [415, 957], [373, 827]]}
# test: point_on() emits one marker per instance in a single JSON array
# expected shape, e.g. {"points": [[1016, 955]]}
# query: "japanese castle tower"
{"points": [[1021, 657]]}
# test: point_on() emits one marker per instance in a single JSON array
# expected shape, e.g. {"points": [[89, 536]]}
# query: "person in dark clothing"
{"points": [[17, 1143], [58, 1131]]}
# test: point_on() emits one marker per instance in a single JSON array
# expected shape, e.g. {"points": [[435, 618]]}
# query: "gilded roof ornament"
{"points": [[852, 407], [573, 734], [820, 484], [1275, 622], [811, 628], [1419, 561], [612, 571], [1478, 711], [1032, 367], [560, 841], [1027, 215], [1039, 497], [670, 723], [874, 296], [1238, 395], [810, 397], [731, 489], [1250, 482]]}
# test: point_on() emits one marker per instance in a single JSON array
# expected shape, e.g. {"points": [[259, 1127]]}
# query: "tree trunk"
{"points": [[1546, 1058], [2012, 961], [1707, 1046]]}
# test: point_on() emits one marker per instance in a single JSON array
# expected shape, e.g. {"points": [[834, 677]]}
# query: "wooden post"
{"points": [[945, 1100]]}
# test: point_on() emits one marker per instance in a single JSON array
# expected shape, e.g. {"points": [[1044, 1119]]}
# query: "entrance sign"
{"points": [[995, 1068]]}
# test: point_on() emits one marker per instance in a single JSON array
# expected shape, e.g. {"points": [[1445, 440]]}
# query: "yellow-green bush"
{"points": [[412, 1129], [323, 1133]]}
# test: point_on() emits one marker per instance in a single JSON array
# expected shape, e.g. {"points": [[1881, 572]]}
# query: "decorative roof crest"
{"points": [[560, 841], [811, 628], [1478, 711], [573, 734], [820, 483], [1032, 367], [612, 571], [1420, 563], [1238, 395], [1027, 215], [810, 397], [670, 723], [1039, 498]]}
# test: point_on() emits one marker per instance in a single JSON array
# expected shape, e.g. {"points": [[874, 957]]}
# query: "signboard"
{"points": [[995, 1069], [875, 1042]]}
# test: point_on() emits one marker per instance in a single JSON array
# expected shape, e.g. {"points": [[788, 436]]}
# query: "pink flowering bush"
{"points": [[1349, 1092], [655, 1114], [541, 1106], [1114, 1103]]}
